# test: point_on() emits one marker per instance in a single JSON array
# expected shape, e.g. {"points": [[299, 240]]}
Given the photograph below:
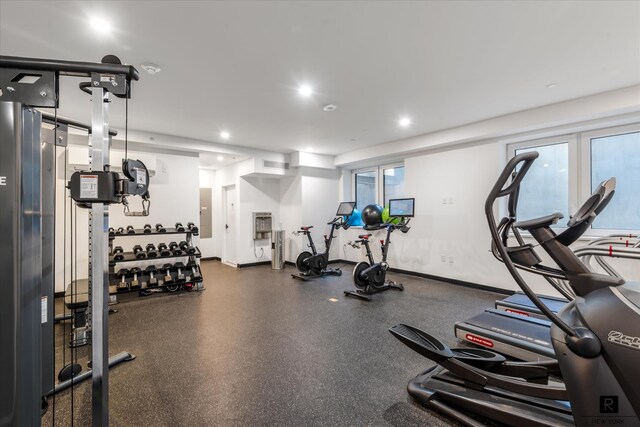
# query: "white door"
{"points": [[230, 234]]}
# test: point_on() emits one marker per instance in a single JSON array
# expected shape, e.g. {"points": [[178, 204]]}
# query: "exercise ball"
{"points": [[372, 215], [355, 219], [386, 218]]}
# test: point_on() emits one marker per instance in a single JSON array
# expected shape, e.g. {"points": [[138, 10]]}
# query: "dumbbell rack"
{"points": [[114, 279]]}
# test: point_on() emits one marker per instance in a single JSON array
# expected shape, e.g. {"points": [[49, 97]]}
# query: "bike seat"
{"points": [[364, 236], [306, 228]]}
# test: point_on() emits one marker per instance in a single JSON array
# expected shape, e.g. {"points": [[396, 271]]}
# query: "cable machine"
{"points": [[27, 227]]}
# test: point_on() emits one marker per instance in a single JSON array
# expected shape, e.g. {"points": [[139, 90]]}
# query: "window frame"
{"points": [[585, 170], [378, 171], [579, 174]]}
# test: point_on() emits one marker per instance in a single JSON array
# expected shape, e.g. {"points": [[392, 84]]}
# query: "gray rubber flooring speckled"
{"points": [[260, 348]]}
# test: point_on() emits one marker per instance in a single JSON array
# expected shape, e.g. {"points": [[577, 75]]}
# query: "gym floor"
{"points": [[260, 348]]}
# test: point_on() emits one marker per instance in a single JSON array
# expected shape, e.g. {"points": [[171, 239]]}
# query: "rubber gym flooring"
{"points": [[260, 348]]}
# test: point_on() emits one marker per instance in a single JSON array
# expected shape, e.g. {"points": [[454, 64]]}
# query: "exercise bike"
{"points": [[595, 336], [370, 277], [313, 264]]}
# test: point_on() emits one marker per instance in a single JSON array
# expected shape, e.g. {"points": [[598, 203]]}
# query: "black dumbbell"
{"points": [[192, 228], [120, 230], [151, 251], [130, 229], [122, 284], [112, 232], [168, 278], [175, 249], [139, 252], [118, 253], [153, 280], [164, 250], [160, 228], [179, 227], [147, 229], [195, 271], [178, 266], [190, 250], [135, 283]]}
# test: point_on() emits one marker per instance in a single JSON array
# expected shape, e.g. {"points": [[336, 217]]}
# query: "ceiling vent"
{"points": [[275, 165]]}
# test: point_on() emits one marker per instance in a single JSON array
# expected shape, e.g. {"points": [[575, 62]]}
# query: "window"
{"points": [[618, 156], [365, 188], [571, 166], [545, 189], [393, 183], [378, 184]]}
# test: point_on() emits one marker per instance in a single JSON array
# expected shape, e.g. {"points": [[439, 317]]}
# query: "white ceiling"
{"points": [[235, 65]]}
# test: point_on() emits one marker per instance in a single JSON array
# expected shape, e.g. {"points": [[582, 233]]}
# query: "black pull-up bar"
{"points": [[68, 68], [50, 118]]}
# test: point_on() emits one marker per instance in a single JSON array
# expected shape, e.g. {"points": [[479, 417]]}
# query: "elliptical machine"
{"points": [[595, 336], [313, 264], [370, 276]]}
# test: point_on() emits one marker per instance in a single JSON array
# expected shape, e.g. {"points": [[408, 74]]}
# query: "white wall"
{"points": [[291, 215], [175, 197]]}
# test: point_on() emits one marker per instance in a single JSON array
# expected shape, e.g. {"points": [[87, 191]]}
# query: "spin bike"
{"points": [[313, 264], [370, 277]]}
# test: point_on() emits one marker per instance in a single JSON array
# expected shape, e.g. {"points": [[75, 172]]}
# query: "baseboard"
{"points": [[211, 258], [453, 281], [290, 263], [254, 264], [58, 294]]}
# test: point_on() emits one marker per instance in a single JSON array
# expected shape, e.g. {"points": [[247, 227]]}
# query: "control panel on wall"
{"points": [[262, 225]]}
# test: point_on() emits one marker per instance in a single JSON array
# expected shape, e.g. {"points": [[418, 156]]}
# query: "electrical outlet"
{"points": [[443, 258], [444, 200], [450, 200], [450, 259]]}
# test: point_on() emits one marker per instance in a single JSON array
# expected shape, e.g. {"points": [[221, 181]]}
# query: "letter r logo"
{"points": [[609, 404]]}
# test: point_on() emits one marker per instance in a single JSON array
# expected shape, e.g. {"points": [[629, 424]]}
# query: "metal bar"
{"points": [[68, 68], [50, 118], [99, 263], [113, 361]]}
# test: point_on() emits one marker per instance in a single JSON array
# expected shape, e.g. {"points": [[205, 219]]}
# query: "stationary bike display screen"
{"points": [[346, 208], [402, 207]]}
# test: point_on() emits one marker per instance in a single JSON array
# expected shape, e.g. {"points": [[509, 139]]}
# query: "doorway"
{"points": [[229, 254]]}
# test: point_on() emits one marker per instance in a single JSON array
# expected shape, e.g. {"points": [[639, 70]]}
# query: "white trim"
{"points": [[379, 179]]}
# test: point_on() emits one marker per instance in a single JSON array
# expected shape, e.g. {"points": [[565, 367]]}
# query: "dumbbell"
{"points": [[151, 251], [164, 251], [187, 248], [130, 229], [118, 253], [192, 228], [175, 249], [153, 280], [179, 227], [139, 252], [167, 273], [122, 284], [195, 271], [120, 230], [160, 228], [179, 266], [112, 232], [135, 283], [147, 229]]}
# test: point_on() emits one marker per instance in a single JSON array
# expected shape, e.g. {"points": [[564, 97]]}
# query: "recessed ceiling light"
{"points": [[151, 68], [552, 85], [225, 135], [305, 91], [330, 107], [220, 158], [100, 25], [404, 121]]}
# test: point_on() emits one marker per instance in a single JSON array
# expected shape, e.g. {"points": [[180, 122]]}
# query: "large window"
{"points": [[376, 185], [365, 188], [618, 156], [545, 189], [571, 166]]}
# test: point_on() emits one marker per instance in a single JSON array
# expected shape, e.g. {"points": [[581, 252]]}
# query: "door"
{"points": [[230, 240], [205, 213]]}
